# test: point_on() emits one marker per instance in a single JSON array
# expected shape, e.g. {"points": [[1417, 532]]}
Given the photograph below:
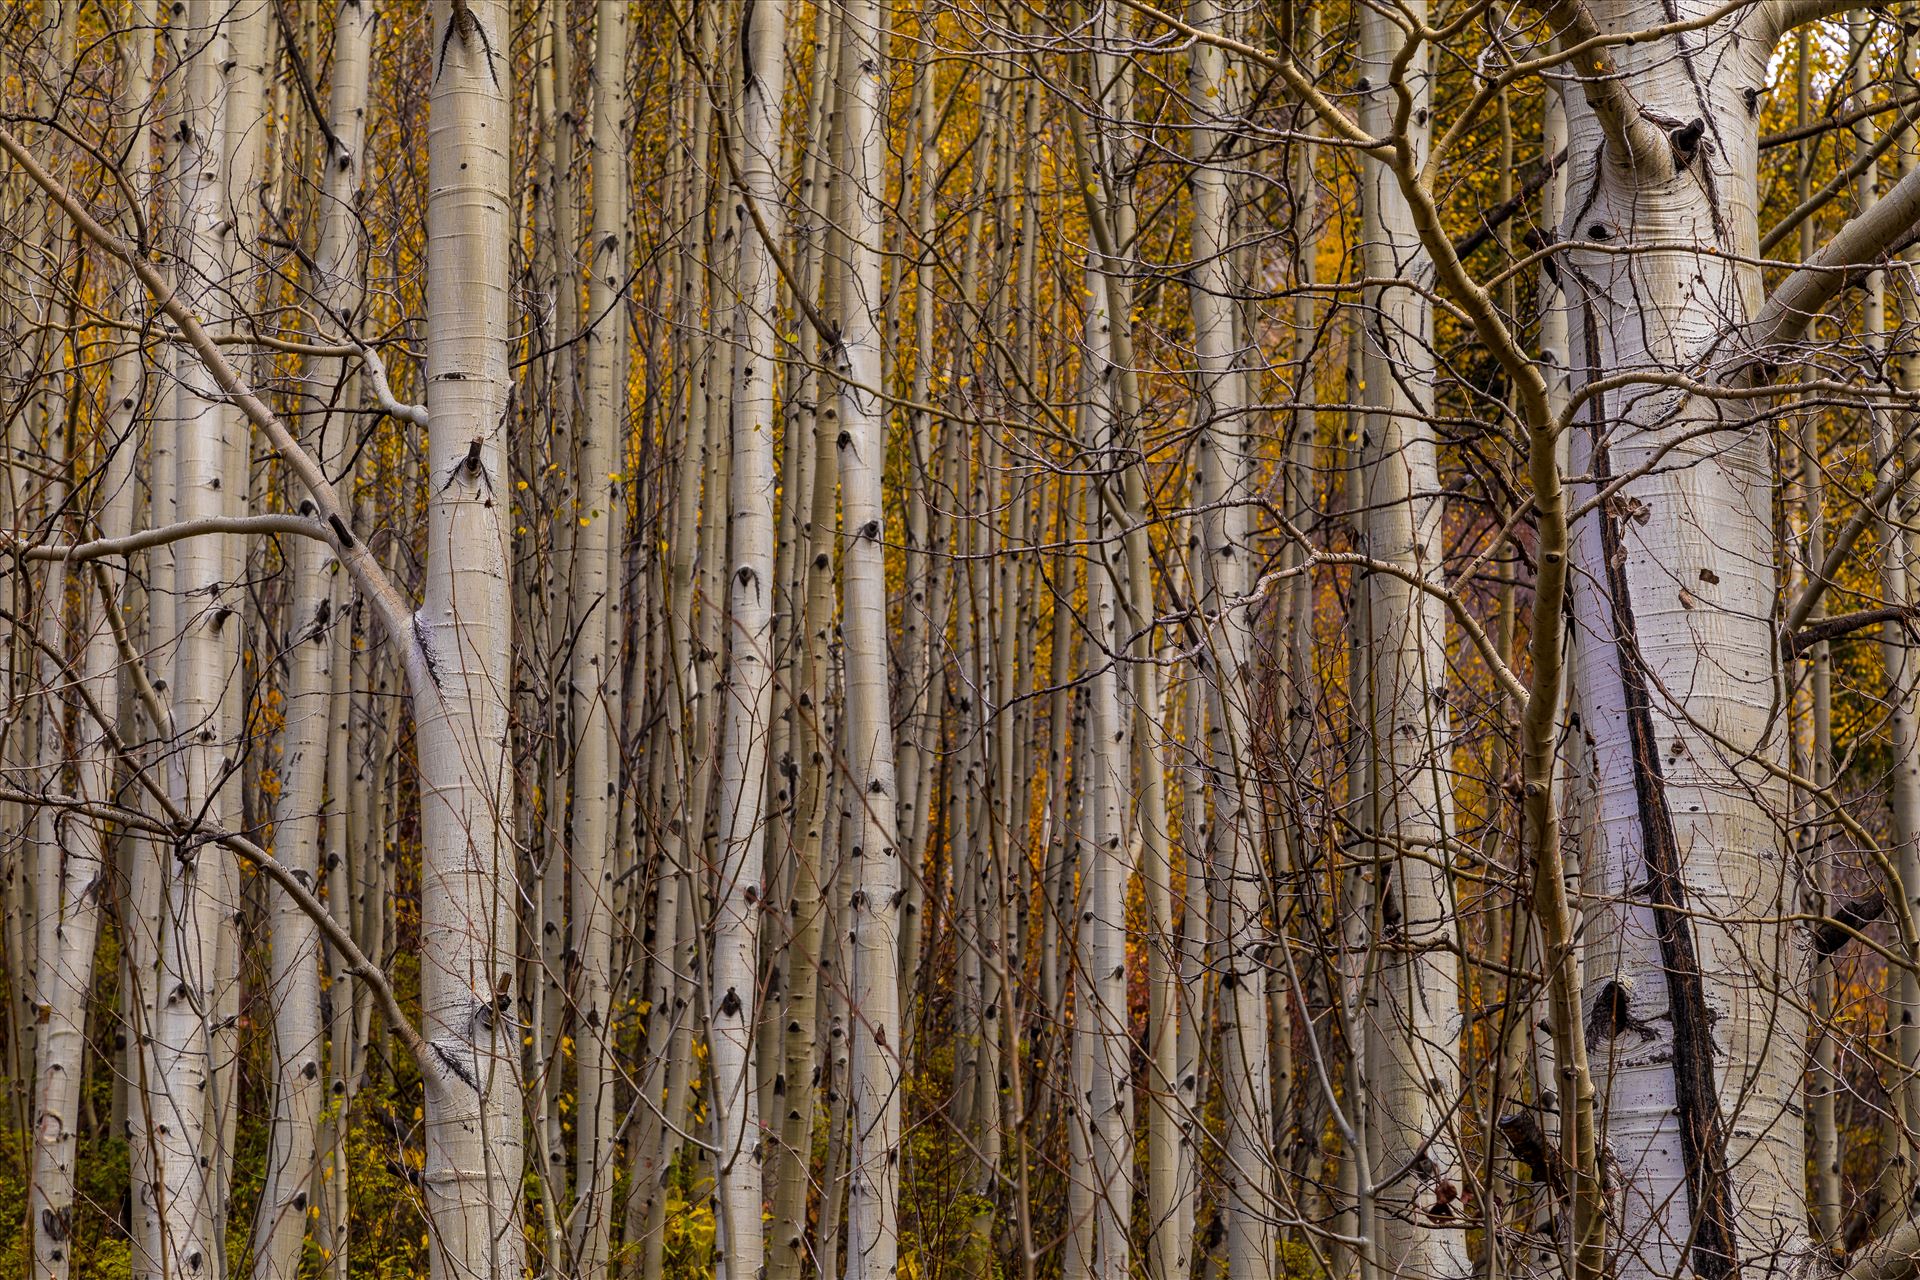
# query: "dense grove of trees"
{"points": [[909, 639]]}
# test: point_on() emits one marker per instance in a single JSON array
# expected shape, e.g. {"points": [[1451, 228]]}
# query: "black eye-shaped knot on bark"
{"points": [[1686, 141]]}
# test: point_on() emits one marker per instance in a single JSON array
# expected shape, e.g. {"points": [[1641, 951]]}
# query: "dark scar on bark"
{"points": [[1703, 1141]]}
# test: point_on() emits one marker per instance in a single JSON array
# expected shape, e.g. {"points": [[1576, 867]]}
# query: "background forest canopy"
{"points": [[949, 639]]}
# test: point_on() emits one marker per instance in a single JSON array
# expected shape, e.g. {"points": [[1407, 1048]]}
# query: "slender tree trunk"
{"points": [[813, 732], [917, 618], [873, 1243], [749, 688], [1412, 1063], [1101, 1018], [1824, 1083], [317, 614], [815, 748], [559, 255], [181, 1110], [1897, 656], [601, 455], [1225, 481], [244, 180], [684, 802], [70, 913]]}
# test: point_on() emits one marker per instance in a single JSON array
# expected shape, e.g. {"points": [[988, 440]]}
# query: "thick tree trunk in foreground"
{"points": [[1674, 588], [473, 1121]]}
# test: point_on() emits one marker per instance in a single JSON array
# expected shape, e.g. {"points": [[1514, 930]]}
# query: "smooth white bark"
{"points": [[601, 456], [1698, 1060], [748, 695], [473, 1124], [1413, 999], [1102, 1034], [872, 923], [183, 1081], [314, 648], [71, 899], [1226, 451]]}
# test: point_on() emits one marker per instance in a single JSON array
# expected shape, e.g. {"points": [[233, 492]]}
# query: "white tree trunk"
{"points": [[682, 801], [872, 925], [816, 753], [182, 1132], [1696, 1047], [473, 1121], [1101, 1015], [70, 899], [1225, 483], [814, 746], [1413, 1000], [243, 179], [317, 615], [601, 457], [749, 685]]}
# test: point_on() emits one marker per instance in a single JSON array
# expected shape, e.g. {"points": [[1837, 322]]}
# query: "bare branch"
{"points": [[102, 548]]}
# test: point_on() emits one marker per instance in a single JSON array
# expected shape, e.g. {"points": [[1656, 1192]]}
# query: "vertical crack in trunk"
{"points": [[1703, 1141]]}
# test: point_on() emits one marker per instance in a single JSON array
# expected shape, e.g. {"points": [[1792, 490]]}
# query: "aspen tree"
{"points": [[1412, 998], [129, 393], [340, 287], [75, 896], [734, 1003], [872, 924], [1823, 1083], [146, 866], [980, 835], [550, 593], [1902, 587], [1896, 651], [918, 619], [316, 614], [1236, 879], [816, 754], [683, 804], [813, 733], [600, 456], [1678, 937], [47, 429], [181, 1110], [1100, 1009], [243, 173], [1113, 222], [473, 1142]]}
